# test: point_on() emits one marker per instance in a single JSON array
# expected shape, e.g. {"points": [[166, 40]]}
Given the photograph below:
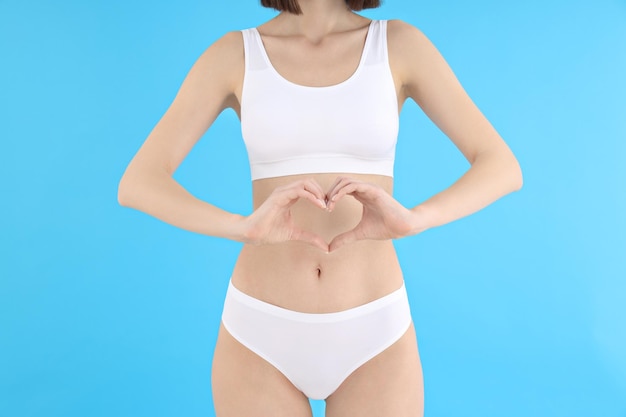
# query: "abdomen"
{"points": [[300, 277]]}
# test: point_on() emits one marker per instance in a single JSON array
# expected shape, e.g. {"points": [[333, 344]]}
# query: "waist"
{"points": [[299, 277]]}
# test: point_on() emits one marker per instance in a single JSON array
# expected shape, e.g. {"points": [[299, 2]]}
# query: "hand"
{"points": [[383, 217], [271, 222]]}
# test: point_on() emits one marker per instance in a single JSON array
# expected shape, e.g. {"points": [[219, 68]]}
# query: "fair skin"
{"points": [[319, 242]]}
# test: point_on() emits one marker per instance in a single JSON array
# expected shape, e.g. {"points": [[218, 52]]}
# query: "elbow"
{"points": [[507, 169], [517, 176], [128, 185], [130, 190], [122, 193], [125, 189], [511, 170], [517, 185]]}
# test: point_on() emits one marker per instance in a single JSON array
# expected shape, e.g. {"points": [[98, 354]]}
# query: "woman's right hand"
{"points": [[272, 222]]}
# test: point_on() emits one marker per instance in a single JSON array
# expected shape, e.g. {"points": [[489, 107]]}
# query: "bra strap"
{"points": [[378, 46], [252, 50]]}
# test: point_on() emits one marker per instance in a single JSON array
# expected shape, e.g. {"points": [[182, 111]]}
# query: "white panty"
{"points": [[316, 352]]}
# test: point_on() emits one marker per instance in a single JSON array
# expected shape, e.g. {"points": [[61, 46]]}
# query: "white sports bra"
{"points": [[350, 127]]}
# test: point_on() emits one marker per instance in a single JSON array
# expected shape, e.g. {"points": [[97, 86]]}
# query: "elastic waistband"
{"points": [[397, 296], [306, 164]]}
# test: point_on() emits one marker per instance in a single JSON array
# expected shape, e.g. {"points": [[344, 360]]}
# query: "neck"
{"points": [[319, 18]]}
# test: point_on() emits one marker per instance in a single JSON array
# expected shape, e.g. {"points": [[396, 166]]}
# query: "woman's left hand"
{"points": [[383, 217]]}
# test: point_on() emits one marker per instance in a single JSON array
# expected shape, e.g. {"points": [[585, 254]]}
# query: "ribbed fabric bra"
{"points": [[350, 127]]}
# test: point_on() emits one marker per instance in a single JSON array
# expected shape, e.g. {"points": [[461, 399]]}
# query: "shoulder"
{"points": [[222, 62], [411, 52], [404, 38], [399, 27], [227, 49]]}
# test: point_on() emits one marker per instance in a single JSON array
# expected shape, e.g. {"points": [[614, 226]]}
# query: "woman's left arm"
{"points": [[428, 79]]}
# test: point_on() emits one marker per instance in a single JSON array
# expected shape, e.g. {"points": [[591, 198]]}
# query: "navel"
{"points": [[318, 271]]}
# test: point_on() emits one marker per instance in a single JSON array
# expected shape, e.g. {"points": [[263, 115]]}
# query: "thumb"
{"points": [[342, 239], [311, 239]]}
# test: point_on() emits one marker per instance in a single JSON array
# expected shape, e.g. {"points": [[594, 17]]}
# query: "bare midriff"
{"points": [[300, 277]]}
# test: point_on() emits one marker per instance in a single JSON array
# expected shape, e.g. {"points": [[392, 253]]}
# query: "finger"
{"points": [[339, 182], [294, 190], [334, 185], [307, 183], [291, 196], [342, 240], [361, 191], [319, 202], [311, 239], [313, 187], [358, 190], [332, 196]]}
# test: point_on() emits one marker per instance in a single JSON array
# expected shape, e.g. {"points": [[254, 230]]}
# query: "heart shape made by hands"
{"points": [[382, 217]]}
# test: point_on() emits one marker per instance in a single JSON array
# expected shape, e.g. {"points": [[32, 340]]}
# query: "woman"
{"points": [[316, 305]]}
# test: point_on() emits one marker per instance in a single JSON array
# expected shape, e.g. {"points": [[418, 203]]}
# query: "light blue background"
{"points": [[106, 311]]}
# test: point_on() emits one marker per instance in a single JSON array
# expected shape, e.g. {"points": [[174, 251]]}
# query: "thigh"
{"points": [[244, 384], [389, 384]]}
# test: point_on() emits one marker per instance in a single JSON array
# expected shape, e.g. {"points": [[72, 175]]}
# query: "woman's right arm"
{"points": [[147, 184]]}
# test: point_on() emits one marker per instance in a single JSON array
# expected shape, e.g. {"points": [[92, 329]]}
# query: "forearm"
{"points": [[160, 196], [490, 177]]}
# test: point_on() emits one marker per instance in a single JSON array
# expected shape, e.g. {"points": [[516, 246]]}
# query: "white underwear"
{"points": [[316, 352]]}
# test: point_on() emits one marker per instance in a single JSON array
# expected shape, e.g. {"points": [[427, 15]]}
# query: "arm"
{"points": [[147, 184], [429, 81], [426, 78]]}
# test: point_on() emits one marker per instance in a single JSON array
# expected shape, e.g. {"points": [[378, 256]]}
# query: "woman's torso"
{"points": [[295, 275]]}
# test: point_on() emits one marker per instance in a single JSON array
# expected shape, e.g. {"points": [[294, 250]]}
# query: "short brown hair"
{"points": [[292, 6]]}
